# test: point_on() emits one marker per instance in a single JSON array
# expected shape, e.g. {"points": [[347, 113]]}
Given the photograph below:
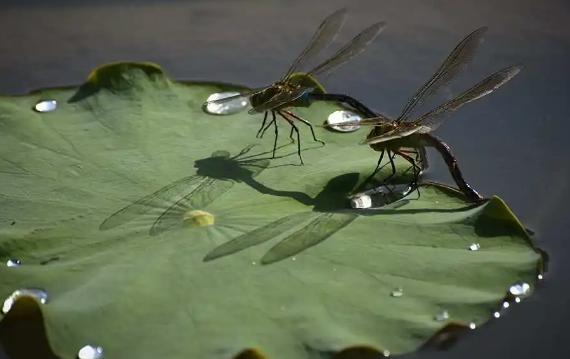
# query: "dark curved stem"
{"points": [[452, 165]]}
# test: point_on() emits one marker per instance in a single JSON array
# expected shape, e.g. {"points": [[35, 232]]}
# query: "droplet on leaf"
{"points": [[12, 262], [337, 118], [225, 108], [198, 218], [90, 352], [46, 106]]}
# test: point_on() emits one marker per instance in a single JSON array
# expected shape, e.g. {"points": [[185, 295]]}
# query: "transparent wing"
{"points": [[453, 64], [394, 134], [353, 48], [244, 94], [153, 201], [323, 37], [280, 99], [435, 117], [372, 121]]}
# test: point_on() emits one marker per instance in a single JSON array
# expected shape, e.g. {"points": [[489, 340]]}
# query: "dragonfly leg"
{"points": [[415, 169], [306, 123], [291, 135], [268, 125], [296, 130], [262, 125], [378, 167], [391, 156], [274, 120]]}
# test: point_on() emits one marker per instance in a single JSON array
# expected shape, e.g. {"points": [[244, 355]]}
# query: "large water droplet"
{"points": [[398, 292], [337, 118], [12, 262], [474, 247], [362, 201], [90, 352], [228, 107], [38, 294], [46, 106], [520, 289], [441, 316]]}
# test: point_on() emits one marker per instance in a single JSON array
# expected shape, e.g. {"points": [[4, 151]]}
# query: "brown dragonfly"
{"points": [[393, 137], [288, 92]]}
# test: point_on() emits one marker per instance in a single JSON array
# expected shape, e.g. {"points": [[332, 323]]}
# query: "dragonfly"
{"points": [[391, 136], [278, 98]]}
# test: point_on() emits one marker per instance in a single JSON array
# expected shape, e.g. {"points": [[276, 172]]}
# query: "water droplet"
{"points": [[386, 353], [497, 315], [39, 294], [520, 289], [517, 299], [293, 258], [339, 117], [12, 262], [506, 305], [334, 269], [441, 316], [474, 247], [540, 277], [472, 326], [362, 201], [398, 292], [90, 352], [46, 106], [253, 263], [228, 107], [436, 202]]}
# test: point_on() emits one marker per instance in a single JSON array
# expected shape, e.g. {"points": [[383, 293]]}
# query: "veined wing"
{"points": [[323, 37], [244, 94], [158, 199], [353, 48], [280, 99], [435, 117], [372, 121], [395, 134], [452, 65]]}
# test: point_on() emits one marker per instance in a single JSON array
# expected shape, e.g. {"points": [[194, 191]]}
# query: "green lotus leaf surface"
{"points": [[161, 231]]}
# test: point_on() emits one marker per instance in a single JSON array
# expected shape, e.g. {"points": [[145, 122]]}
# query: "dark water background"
{"points": [[514, 143]]}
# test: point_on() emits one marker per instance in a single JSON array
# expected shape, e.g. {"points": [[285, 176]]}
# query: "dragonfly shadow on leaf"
{"points": [[167, 206], [302, 230]]}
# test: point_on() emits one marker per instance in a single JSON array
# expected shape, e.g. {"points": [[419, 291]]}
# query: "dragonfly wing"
{"points": [[353, 48], [395, 134], [323, 37], [153, 201], [453, 64], [435, 118]]}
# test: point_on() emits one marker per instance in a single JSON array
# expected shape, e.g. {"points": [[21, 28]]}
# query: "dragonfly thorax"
{"points": [[269, 93]]}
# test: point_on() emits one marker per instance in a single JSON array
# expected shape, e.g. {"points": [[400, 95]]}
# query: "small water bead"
{"points": [[517, 300], [441, 316], [253, 263], [46, 106], [497, 315], [228, 107], [90, 352], [362, 201], [472, 326], [520, 289], [13, 262], [474, 247], [293, 258], [540, 277], [506, 305], [39, 294], [398, 292], [337, 118], [386, 353]]}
